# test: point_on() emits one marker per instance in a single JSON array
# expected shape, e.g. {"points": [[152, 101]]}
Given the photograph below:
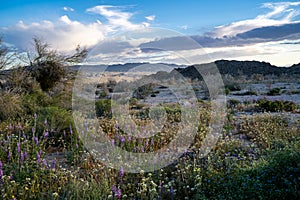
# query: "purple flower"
{"points": [[152, 142], [9, 156], [19, 147], [33, 130], [36, 140], [45, 122], [44, 163], [10, 127], [46, 134], [35, 115], [114, 189], [71, 131], [119, 194], [38, 157], [64, 133], [53, 165], [121, 173], [24, 155], [129, 138]]}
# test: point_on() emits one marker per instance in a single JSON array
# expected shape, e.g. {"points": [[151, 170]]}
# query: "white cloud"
{"points": [[65, 33], [281, 13], [116, 17], [184, 27], [68, 9], [150, 18]]}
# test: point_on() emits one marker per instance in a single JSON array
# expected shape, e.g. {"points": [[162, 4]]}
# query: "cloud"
{"points": [[281, 13], [68, 9], [116, 17], [184, 27], [150, 18], [64, 33]]}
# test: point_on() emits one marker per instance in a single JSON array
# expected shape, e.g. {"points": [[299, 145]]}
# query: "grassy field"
{"points": [[42, 156]]}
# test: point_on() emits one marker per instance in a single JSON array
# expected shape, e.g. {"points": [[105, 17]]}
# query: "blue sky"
{"points": [[222, 28]]}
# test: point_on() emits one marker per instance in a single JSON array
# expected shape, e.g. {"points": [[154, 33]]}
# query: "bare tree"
{"points": [[47, 66], [6, 58]]}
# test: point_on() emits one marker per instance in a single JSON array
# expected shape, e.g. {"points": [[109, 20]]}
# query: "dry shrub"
{"points": [[11, 105]]}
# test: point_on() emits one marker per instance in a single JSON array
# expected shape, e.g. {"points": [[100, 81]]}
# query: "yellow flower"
{"points": [[26, 188], [13, 196]]}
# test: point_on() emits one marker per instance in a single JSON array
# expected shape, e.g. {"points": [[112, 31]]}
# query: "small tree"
{"points": [[47, 66]]}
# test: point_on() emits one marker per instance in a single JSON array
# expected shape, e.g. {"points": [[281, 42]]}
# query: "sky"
{"points": [[165, 31]]}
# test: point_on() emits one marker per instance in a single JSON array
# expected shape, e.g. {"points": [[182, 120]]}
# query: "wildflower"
{"points": [[119, 193], [38, 157], [44, 163], [45, 122], [24, 155], [129, 138], [113, 189], [36, 140], [46, 134], [53, 166], [19, 147], [10, 127], [9, 156], [122, 140], [121, 173], [35, 115]]}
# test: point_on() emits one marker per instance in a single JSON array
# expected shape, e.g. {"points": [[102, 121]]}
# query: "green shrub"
{"points": [[57, 120], [276, 106], [103, 108]]}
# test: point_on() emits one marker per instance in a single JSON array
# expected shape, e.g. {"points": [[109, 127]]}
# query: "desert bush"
{"points": [[265, 129], [103, 108], [11, 105], [55, 119], [233, 87], [276, 106], [47, 66], [274, 92]]}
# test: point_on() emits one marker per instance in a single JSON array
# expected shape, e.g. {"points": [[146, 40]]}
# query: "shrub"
{"points": [[274, 92], [103, 108], [57, 120], [276, 106], [11, 105], [233, 87], [48, 67], [265, 129]]}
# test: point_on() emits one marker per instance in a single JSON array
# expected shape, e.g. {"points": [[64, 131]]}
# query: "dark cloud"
{"points": [[258, 35]]}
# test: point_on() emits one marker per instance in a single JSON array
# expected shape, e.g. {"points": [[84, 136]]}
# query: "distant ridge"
{"points": [[243, 68]]}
